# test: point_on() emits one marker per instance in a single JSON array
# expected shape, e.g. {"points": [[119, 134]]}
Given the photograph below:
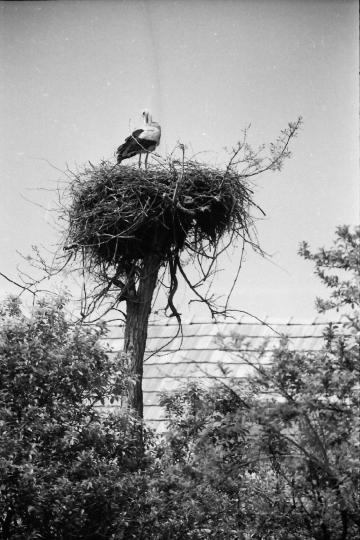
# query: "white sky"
{"points": [[76, 76]]}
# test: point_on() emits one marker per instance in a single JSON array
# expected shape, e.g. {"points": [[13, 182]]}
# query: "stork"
{"points": [[141, 141]]}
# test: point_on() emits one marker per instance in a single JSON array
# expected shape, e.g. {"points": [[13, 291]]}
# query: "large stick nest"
{"points": [[119, 215]]}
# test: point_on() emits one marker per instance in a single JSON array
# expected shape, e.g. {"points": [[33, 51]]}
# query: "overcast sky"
{"points": [[76, 76]]}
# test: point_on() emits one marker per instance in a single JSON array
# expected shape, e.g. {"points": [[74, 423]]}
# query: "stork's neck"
{"points": [[147, 118], [148, 121]]}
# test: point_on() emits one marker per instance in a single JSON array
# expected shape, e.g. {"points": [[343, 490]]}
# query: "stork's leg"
{"points": [[146, 160], [139, 161]]}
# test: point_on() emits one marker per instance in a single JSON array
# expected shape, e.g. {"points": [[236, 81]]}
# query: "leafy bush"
{"points": [[285, 467], [66, 469]]}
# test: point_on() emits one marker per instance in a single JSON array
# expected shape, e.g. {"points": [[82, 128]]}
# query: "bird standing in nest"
{"points": [[141, 141]]}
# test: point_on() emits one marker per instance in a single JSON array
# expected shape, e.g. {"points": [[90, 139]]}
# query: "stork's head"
{"points": [[146, 114]]}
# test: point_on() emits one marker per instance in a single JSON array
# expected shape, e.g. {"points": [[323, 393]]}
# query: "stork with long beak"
{"points": [[141, 141]]}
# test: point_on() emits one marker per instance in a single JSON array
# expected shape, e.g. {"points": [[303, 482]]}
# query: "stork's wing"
{"points": [[129, 147], [135, 144], [135, 134]]}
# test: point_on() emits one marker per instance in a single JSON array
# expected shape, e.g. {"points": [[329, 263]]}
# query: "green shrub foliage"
{"points": [[64, 466], [280, 453]]}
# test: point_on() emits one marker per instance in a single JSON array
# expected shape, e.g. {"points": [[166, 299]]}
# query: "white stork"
{"points": [[141, 141]]}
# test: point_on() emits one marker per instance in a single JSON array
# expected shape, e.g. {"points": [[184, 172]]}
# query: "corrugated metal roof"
{"points": [[172, 358]]}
